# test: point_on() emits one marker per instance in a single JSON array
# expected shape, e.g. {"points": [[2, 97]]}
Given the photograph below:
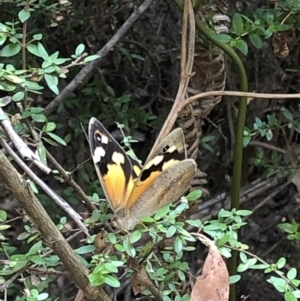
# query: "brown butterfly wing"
{"points": [[167, 188], [168, 153]]}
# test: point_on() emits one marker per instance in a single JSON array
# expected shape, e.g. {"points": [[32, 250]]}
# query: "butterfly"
{"points": [[134, 191]]}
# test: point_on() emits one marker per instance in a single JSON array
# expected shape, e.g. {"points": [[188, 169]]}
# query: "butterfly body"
{"points": [[134, 191]]}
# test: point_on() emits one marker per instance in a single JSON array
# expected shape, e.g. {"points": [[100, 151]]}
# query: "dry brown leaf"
{"points": [[140, 282], [102, 245], [213, 283]]}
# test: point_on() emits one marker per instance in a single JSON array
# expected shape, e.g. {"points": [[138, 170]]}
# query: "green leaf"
{"points": [[33, 187], [50, 69], [242, 46], [255, 40], [24, 15], [3, 116], [42, 51], [171, 231], [147, 219], [223, 240], [10, 50], [35, 248], [14, 79], [85, 249], [38, 36], [57, 139], [243, 257], [242, 267], [181, 275], [224, 213], [33, 50], [162, 212], [269, 135], [223, 38], [96, 279], [195, 223], [292, 273], [42, 153], [110, 90], [3, 216], [119, 248], [23, 236], [61, 61], [234, 279], [194, 195], [52, 82], [288, 115], [260, 266], [112, 281], [135, 236], [3, 38], [243, 212], [237, 24], [286, 227], [289, 296], [109, 267], [36, 110], [79, 50], [129, 249], [18, 96], [42, 296], [297, 293], [49, 127], [91, 58], [7, 86], [38, 117], [281, 262], [178, 245], [54, 56], [112, 238], [37, 259]]}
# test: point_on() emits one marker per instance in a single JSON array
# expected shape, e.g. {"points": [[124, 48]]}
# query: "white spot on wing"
{"points": [[104, 139], [118, 158], [155, 161], [98, 154], [172, 149]]}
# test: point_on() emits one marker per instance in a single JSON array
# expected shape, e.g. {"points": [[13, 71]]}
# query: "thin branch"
{"points": [[68, 178], [57, 199], [86, 71], [186, 64], [21, 146], [268, 146], [238, 93]]}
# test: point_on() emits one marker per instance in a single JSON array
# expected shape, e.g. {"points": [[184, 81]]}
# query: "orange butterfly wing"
{"points": [[116, 171]]}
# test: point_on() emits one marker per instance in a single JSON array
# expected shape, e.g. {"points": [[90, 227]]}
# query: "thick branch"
{"points": [[54, 239]]}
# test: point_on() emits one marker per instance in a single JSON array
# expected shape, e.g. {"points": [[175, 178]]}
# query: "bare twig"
{"points": [[187, 60], [21, 146], [238, 93], [86, 71], [68, 178], [268, 146], [57, 199]]}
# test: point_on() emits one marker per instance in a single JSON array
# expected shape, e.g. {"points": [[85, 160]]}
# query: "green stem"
{"points": [[238, 148]]}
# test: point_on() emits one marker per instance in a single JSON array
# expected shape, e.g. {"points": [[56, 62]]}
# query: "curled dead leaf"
{"points": [[213, 283]]}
